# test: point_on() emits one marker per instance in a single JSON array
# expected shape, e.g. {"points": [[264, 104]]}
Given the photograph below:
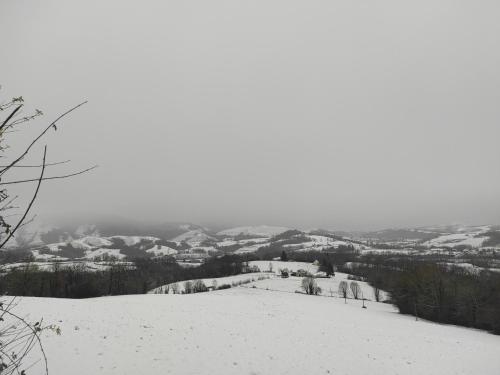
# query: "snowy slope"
{"points": [[193, 237], [252, 331], [159, 250], [457, 239], [88, 242], [243, 278], [134, 240], [115, 253], [257, 231]]}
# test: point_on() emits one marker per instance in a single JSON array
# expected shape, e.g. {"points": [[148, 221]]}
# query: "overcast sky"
{"points": [[335, 114]]}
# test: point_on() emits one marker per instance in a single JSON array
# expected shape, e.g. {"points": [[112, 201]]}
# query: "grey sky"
{"points": [[339, 114]]}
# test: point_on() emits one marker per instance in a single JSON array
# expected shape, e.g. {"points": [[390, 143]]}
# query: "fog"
{"points": [[334, 114]]}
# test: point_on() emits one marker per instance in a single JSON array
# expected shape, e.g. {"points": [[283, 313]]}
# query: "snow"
{"points": [[245, 277], [464, 235], [319, 243], [87, 229], [254, 240], [134, 240], [41, 256], [188, 264], [252, 331], [457, 239], [91, 254], [227, 243], [249, 248], [162, 250], [89, 242], [54, 247], [193, 237], [278, 265], [273, 280], [258, 231]]}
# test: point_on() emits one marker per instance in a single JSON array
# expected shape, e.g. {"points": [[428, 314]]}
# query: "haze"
{"points": [[334, 114]]}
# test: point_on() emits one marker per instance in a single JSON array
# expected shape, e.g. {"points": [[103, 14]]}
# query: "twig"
{"points": [[38, 166], [10, 116], [11, 233], [49, 178], [40, 136], [35, 334]]}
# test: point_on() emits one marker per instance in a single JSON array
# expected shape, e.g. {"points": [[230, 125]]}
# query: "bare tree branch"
{"points": [[53, 123], [49, 178], [35, 331], [10, 116], [11, 233], [39, 165]]}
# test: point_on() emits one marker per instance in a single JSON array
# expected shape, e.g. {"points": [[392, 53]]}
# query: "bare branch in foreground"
{"points": [[52, 124], [49, 178], [11, 232], [37, 166]]}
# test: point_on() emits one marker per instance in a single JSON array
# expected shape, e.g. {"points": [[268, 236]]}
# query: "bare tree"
{"points": [[355, 289], [376, 293], [199, 286], [188, 287], [175, 288], [8, 207], [363, 299], [343, 289], [310, 286], [18, 336]]}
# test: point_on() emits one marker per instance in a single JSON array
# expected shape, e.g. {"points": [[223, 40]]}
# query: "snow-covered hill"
{"points": [[269, 278], [193, 244], [194, 237], [252, 331], [257, 231], [463, 236]]}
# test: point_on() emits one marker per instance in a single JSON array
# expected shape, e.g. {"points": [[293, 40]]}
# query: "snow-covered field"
{"points": [[276, 266], [272, 280], [231, 280], [252, 331]]}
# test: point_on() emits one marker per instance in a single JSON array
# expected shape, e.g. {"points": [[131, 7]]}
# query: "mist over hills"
{"points": [[192, 243]]}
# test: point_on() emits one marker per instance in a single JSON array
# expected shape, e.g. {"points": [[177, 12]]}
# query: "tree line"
{"points": [[439, 293], [138, 277]]}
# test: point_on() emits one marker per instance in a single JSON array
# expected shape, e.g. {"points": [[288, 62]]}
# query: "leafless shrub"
{"points": [[343, 290], [310, 286], [18, 337], [175, 288], [355, 289], [199, 286], [188, 287]]}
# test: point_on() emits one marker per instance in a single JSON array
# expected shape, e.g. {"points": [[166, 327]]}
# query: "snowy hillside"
{"points": [[192, 244], [246, 330], [464, 236], [269, 278], [193, 237], [257, 231]]}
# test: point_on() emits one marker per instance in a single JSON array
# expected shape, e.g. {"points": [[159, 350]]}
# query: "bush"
{"points": [[188, 287], [199, 287], [310, 287]]}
